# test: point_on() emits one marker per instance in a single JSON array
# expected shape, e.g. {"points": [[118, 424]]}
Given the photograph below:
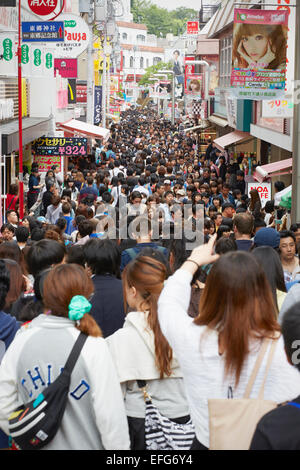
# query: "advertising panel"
{"points": [[259, 54]]}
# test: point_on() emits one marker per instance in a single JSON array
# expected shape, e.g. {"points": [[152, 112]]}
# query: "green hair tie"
{"points": [[78, 306]]}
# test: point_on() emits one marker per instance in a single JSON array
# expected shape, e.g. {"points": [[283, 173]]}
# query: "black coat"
{"points": [[107, 304]]}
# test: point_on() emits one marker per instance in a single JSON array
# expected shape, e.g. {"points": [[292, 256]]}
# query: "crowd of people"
{"points": [[184, 282]]}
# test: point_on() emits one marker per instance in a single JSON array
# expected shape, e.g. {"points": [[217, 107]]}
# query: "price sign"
{"points": [[70, 146]]}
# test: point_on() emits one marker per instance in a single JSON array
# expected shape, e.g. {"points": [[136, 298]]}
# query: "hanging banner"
{"points": [[193, 84], [8, 54], [114, 83], [97, 105], [259, 54]]}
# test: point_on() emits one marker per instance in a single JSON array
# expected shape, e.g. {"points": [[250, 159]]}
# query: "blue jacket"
{"points": [[108, 304]]}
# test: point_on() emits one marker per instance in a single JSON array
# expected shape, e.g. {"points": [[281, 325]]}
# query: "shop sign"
{"points": [[97, 105], [76, 37], [45, 163], [192, 27], [60, 146], [264, 191], [278, 108], [41, 31], [67, 68], [81, 93], [42, 7]]}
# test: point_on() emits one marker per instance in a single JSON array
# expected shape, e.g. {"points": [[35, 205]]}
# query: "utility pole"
{"points": [[295, 213], [90, 68]]}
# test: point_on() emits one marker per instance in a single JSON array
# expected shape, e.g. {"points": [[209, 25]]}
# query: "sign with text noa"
{"points": [[69, 146], [264, 191]]}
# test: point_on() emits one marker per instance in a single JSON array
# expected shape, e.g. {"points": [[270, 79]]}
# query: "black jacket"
{"points": [[107, 304]]}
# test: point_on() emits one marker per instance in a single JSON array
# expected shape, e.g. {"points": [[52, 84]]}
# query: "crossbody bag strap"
{"points": [[270, 358], [257, 365], [74, 354]]}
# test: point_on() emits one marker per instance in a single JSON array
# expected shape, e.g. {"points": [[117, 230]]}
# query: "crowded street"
{"points": [[149, 230]]}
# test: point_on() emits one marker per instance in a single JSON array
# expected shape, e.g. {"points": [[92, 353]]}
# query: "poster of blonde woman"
{"points": [[259, 53]]}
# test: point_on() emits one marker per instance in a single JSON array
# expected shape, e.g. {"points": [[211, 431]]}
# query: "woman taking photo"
{"points": [[94, 418], [141, 352], [218, 349]]}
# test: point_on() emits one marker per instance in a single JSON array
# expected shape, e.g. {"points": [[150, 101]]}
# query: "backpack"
{"points": [[34, 424]]}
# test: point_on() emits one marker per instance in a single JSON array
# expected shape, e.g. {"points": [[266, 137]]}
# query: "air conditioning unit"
{"points": [[100, 14], [84, 6]]}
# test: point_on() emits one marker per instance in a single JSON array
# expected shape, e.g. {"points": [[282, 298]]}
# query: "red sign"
{"points": [[42, 7], [81, 93], [67, 68], [192, 27]]}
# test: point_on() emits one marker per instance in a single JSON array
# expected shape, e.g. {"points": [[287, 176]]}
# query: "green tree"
{"points": [[161, 21], [160, 67]]}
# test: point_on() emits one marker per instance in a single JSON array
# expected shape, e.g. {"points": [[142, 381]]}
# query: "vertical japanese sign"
{"points": [[259, 54], [97, 105]]}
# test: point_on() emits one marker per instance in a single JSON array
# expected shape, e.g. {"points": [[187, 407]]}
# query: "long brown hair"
{"points": [[276, 34], [147, 275], [61, 284], [254, 198], [237, 302]]}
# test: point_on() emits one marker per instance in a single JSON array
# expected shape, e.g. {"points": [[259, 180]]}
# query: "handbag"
{"points": [[232, 422], [162, 433], [34, 424]]}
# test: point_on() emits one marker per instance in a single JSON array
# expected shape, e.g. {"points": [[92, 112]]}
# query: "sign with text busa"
{"points": [[41, 31], [69, 146]]}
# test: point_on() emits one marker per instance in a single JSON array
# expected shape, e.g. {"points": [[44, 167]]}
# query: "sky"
{"points": [[173, 4]]}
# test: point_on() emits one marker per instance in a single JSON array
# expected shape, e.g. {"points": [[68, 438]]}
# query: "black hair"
{"points": [[287, 234], [9, 227], [290, 329], [37, 234], [22, 234], [4, 283], [61, 223], [269, 260], [43, 254], [85, 228], [103, 256], [223, 229], [76, 255], [225, 244]]}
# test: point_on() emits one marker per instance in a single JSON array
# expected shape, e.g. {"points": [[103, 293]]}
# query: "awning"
{"points": [[84, 129], [230, 139], [205, 125], [218, 120], [264, 172], [32, 129]]}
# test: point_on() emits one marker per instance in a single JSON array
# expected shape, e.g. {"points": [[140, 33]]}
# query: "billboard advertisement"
{"points": [[259, 54]]}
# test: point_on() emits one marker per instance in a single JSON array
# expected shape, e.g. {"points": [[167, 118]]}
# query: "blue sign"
{"points": [[97, 105], [41, 31]]}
